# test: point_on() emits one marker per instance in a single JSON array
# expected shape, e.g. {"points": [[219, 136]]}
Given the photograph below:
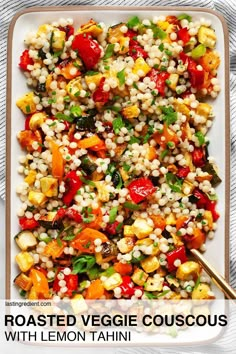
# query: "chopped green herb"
{"points": [[121, 76], [119, 227], [69, 237], [108, 272], [53, 124], [174, 182], [135, 85], [163, 293], [170, 116], [62, 116], [131, 206], [168, 52], [113, 108], [91, 73], [158, 32], [27, 108], [198, 281], [87, 181], [113, 214], [126, 167], [76, 111], [170, 144], [109, 51], [118, 124], [201, 138], [82, 264], [184, 17], [161, 47], [133, 22], [107, 67], [77, 93], [164, 154], [67, 98], [134, 140]]}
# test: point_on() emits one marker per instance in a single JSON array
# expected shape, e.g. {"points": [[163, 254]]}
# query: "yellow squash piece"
{"points": [[141, 228], [24, 260], [141, 68], [139, 277], [113, 281], [207, 37], [130, 112], [188, 270], [26, 103], [37, 198], [49, 186]]}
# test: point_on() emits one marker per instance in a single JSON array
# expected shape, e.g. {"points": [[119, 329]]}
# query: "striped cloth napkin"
{"points": [[228, 9]]}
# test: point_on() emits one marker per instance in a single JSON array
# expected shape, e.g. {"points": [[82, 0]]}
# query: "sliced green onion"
{"points": [[113, 214], [131, 206]]}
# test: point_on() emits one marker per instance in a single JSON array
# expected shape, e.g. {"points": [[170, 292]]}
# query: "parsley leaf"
{"points": [[174, 182], [170, 116], [121, 76], [109, 51], [201, 138], [185, 17], [82, 264], [118, 124], [133, 22]]}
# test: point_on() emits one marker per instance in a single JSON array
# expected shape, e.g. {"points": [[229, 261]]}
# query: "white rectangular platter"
{"points": [[29, 20]]}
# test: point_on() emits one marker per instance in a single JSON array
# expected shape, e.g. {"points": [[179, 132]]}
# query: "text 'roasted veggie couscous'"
{"points": [[118, 184]]}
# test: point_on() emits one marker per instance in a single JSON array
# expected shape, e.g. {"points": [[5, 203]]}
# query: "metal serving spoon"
{"points": [[229, 292]]}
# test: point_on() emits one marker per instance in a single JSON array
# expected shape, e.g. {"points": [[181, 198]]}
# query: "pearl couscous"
{"points": [[117, 184]]}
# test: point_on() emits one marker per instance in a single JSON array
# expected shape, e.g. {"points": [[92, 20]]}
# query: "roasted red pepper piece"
{"points": [[211, 206], [183, 172], [88, 49], [205, 203], [198, 157], [73, 215], [127, 287], [132, 36], [69, 30], [71, 283], [25, 60], [28, 224], [27, 120], [111, 229], [159, 79], [178, 253], [196, 76], [140, 188], [99, 94], [72, 184], [183, 35], [135, 51]]}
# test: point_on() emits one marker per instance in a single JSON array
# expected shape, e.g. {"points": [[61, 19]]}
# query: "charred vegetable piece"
{"points": [[85, 124], [25, 240], [49, 222], [209, 168]]}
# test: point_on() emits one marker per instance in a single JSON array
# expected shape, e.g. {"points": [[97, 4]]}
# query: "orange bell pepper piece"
{"points": [[89, 142], [123, 268], [53, 249], [159, 221], [40, 283], [95, 290], [96, 224], [28, 137], [169, 136], [84, 241], [57, 161], [180, 221], [197, 239]]}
